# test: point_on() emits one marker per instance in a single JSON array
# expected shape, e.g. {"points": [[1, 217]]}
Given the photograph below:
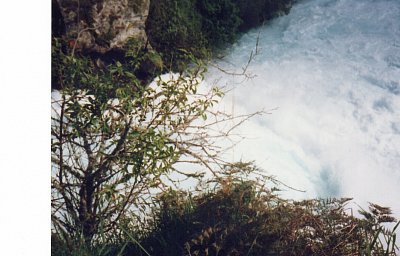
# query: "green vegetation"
{"points": [[245, 217], [174, 28], [240, 219], [255, 13], [141, 63], [202, 26], [220, 21], [116, 141], [114, 146]]}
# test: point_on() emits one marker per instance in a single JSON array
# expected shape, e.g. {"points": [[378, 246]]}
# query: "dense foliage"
{"points": [[116, 141], [173, 27], [220, 21], [238, 219], [200, 26], [245, 217], [113, 140], [256, 12]]}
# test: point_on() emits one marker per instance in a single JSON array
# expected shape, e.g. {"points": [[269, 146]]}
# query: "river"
{"points": [[329, 75]]}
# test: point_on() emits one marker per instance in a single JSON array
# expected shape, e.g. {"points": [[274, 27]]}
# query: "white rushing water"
{"points": [[331, 68]]}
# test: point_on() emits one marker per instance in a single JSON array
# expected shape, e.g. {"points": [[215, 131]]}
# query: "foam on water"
{"points": [[332, 70]]}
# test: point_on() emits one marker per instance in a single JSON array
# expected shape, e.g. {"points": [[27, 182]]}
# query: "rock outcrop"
{"points": [[101, 25]]}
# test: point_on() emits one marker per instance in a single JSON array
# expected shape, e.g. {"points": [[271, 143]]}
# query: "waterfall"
{"points": [[329, 76]]}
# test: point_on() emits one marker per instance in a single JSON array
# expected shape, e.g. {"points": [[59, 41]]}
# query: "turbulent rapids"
{"points": [[329, 74]]}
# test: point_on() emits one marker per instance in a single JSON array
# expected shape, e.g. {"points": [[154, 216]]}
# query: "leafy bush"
{"points": [[173, 26], [114, 139], [244, 217], [201, 26], [241, 217], [220, 21], [254, 13]]}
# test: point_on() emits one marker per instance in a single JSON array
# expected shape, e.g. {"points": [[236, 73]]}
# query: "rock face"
{"points": [[101, 25]]}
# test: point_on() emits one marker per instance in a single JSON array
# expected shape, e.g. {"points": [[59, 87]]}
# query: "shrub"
{"points": [[201, 26], [240, 217], [173, 26], [113, 140], [254, 13], [220, 21]]}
